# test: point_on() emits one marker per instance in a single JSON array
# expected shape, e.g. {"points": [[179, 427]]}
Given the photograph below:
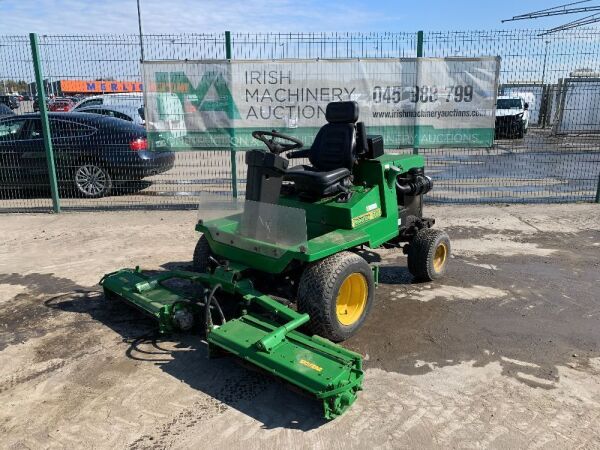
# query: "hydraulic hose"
{"points": [[210, 299]]}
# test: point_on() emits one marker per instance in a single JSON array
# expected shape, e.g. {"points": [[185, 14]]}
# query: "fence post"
{"points": [[416, 137], [234, 187], [419, 44], [39, 81], [598, 190]]}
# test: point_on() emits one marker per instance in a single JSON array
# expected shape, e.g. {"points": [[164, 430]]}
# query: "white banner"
{"points": [[424, 102]]}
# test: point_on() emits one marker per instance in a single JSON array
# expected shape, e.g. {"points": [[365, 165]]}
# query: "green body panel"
{"points": [[370, 217], [264, 335]]}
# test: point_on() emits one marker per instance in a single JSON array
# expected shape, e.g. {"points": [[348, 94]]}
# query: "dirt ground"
{"points": [[505, 352]]}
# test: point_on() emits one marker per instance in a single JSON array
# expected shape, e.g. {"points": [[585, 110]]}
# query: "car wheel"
{"points": [[92, 181]]}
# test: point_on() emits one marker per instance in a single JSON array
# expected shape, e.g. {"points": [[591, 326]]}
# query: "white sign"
{"points": [[424, 102]]}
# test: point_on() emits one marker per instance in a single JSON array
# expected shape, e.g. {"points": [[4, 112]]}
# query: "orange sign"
{"points": [[85, 86]]}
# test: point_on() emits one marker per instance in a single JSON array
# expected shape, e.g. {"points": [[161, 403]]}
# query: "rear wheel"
{"points": [[428, 254], [337, 292], [92, 181]]}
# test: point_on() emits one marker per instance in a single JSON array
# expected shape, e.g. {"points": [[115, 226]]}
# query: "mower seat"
{"points": [[332, 155]]}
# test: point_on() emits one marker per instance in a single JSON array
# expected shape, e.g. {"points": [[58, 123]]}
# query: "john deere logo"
{"points": [[212, 82]]}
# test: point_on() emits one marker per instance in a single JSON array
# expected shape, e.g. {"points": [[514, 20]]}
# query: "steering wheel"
{"points": [[273, 145]]}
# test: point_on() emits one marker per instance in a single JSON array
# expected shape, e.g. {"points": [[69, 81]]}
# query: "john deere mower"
{"points": [[281, 277]]}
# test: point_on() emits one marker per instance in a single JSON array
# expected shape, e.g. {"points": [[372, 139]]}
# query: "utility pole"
{"points": [[140, 28], [545, 93], [545, 59]]}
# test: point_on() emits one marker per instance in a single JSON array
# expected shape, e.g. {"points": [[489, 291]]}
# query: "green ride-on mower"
{"points": [[281, 276]]}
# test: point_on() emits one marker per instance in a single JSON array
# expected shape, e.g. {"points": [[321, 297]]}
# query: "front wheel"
{"points": [[337, 292], [202, 255], [92, 181], [428, 254]]}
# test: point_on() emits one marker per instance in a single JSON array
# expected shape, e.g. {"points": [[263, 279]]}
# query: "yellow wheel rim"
{"points": [[439, 259], [352, 299]]}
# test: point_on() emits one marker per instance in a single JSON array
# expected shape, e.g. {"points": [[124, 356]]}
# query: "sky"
{"points": [[201, 16]]}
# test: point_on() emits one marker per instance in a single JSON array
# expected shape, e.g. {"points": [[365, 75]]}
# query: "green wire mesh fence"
{"points": [[101, 165]]}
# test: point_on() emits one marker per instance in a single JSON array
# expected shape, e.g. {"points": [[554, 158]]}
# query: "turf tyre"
{"points": [[423, 254], [318, 292]]}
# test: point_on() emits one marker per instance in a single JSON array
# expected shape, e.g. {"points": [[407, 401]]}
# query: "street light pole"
{"points": [[140, 28]]}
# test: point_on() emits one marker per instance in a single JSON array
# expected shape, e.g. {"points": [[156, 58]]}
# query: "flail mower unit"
{"points": [[281, 277]]}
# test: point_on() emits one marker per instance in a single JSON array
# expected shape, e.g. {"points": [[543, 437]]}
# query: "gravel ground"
{"points": [[504, 352]]}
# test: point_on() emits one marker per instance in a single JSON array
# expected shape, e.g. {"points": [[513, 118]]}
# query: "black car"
{"points": [[93, 153], [9, 100]]}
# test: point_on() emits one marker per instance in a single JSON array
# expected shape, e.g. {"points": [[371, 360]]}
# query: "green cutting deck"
{"points": [[264, 335]]}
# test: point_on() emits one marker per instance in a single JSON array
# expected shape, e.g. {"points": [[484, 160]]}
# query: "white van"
{"points": [[512, 116]]}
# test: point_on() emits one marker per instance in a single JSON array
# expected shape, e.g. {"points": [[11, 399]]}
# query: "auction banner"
{"points": [[412, 102]]}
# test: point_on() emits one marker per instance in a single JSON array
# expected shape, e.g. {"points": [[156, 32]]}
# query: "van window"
{"points": [[509, 103]]}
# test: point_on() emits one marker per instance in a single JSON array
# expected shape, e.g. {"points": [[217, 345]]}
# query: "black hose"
{"points": [[421, 184]]}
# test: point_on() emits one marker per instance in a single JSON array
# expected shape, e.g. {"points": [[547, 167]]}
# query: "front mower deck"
{"points": [[264, 335]]}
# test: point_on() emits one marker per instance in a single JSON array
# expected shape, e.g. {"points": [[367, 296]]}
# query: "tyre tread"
{"points": [[318, 285], [422, 251], [202, 254]]}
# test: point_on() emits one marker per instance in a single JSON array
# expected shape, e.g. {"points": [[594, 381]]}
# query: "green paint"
{"points": [[179, 84], [39, 81], [264, 333], [330, 373], [330, 227], [231, 112], [419, 44], [228, 44]]}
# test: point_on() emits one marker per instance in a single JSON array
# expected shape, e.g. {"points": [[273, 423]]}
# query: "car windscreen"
{"points": [[509, 103]]}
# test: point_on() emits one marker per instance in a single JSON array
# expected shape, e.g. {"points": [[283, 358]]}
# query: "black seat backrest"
{"points": [[335, 144]]}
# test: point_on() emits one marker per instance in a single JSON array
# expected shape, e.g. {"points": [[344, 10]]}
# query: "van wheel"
{"points": [[520, 131]]}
